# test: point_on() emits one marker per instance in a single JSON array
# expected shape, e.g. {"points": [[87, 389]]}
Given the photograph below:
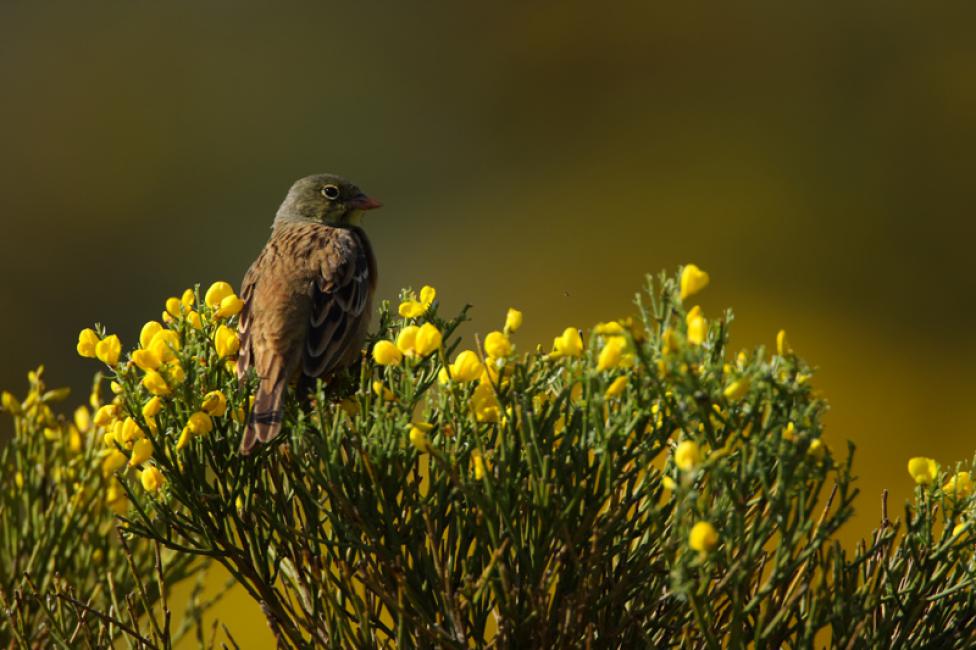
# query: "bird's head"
{"points": [[325, 198]]}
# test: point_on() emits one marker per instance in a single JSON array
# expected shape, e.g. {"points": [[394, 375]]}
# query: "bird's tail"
{"points": [[267, 414]]}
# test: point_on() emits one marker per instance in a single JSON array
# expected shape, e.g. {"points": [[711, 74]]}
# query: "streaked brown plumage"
{"points": [[308, 296]]}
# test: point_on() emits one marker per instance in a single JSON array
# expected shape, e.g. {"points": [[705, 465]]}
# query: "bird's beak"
{"points": [[363, 202]]}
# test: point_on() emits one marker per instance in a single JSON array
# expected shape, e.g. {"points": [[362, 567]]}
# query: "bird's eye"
{"points": [[330, 192]]}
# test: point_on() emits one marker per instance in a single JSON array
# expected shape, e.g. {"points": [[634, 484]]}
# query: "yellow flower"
{"points": [[106, 415], [411, 309], [697, 326], [174, 307], [703, 537], [697, 331], [612, 353], [960, 528], [10, 403], [188, 299], [229, 306], [74, 439], [789, 433], [19, 480], [142, 451], [513, 320], [782, 347], [149, 330], [491, 373], [616, 388], [113, 435], [382, 391], [199, 423], [484, 404], [82, 419], [87, 342], [497, 345], [466, 367], [115, 460], [576, 392], [406, 340], [151, 479], [216, 294], [146, 359], [174, 373], [415, 308], [155, 384], [923, 470], [214, 404], [116, 499], [480, 464], [693, 280], [386, 353], [737, 389], [193, 318], [959, 486], [668, 483], [687, 455], [610, 328], [427, 340], [817, 448], [418, 435], [108, 350], [184, 438], [226, 342], [131, 431], [669, 341], [152, 407], [568, 344], [165, 344]]}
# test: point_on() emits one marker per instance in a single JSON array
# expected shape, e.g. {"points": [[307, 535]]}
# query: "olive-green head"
{"points": [[325, 198]]}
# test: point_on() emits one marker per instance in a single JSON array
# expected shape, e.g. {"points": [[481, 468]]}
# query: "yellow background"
{"points": [[818, 162]]}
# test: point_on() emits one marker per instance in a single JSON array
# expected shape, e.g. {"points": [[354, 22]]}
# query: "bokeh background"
{"points": [[818, 161]]}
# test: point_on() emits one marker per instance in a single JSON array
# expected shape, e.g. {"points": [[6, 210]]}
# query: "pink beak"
{"points": [[364, 202]]}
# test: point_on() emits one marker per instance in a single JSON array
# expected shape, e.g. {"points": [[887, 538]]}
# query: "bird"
{"points": [[307, 297]]}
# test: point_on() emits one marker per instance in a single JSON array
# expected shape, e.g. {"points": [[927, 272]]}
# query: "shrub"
{"points": [[638, 486], [66, 578]]}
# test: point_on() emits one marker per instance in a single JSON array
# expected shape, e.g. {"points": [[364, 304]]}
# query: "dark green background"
{"points": [[818, 162]]}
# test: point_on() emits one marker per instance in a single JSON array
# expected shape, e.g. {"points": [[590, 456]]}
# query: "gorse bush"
{"points": [[66, 578], [638, 485]]}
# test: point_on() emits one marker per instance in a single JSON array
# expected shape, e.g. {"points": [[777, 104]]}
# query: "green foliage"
{"points": [[642, 487], [67, 580]]}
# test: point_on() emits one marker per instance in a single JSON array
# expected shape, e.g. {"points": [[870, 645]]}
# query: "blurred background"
{"points": [[818, 162]]}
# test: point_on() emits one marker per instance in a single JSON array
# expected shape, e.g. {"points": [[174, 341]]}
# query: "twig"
{"points": [[816, 529], [108, 619], [884, 509], [163, 602]]}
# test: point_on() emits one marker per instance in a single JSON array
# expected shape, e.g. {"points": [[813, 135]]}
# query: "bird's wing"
{"points": [[340, 296], [245, 357]]}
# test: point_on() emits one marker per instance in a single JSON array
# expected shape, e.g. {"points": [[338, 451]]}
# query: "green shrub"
{"points": [[67, 579], [639, 486]]}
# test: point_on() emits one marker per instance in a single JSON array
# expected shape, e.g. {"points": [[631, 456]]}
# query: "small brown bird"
{"points": [[307, 297]]}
